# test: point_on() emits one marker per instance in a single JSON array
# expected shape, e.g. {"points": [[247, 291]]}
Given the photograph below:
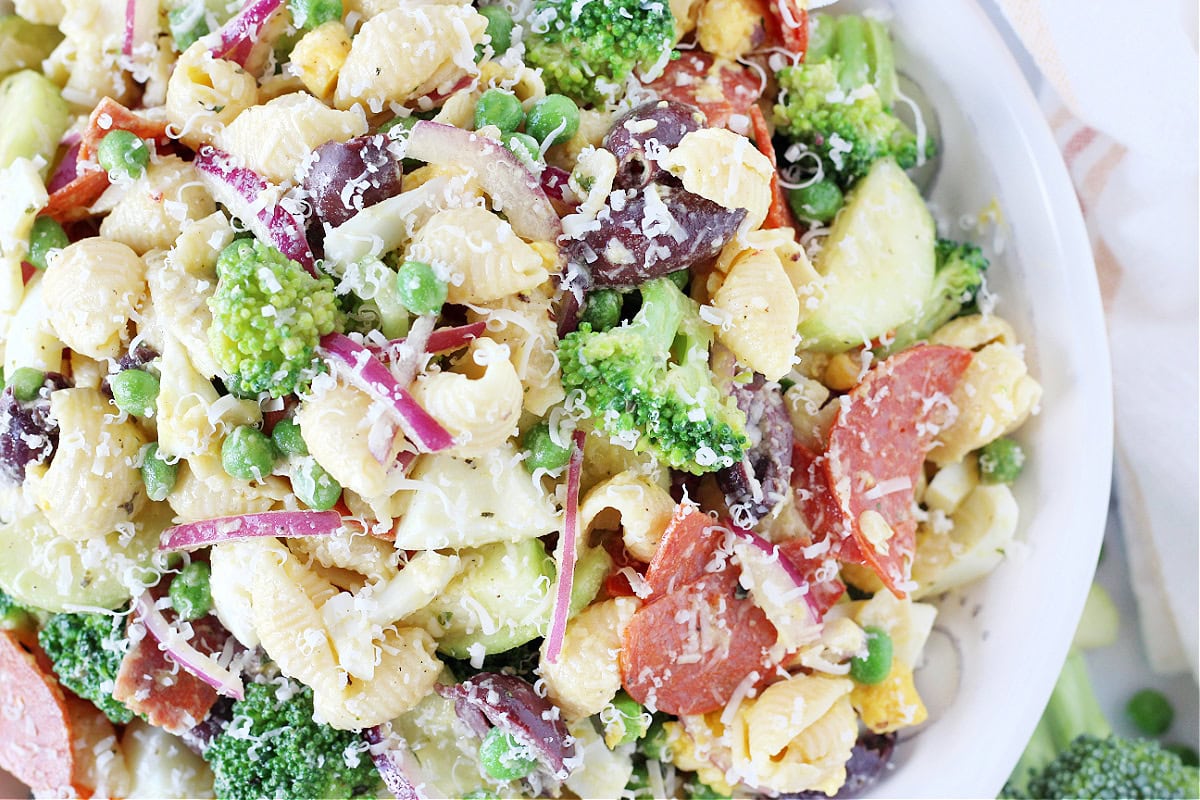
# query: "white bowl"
{"points": [[999, 644]]}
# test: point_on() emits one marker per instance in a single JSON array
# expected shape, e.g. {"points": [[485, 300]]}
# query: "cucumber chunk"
{"points": [[877, 263], [35, 118], [504, 596], [24, 45], [41, 569]]}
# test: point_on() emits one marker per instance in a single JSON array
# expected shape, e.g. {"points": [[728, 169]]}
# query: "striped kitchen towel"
{"points": [[1119, 87]]}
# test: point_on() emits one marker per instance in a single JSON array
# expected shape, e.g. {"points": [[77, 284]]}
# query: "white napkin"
{"points": [[1120, 92]]}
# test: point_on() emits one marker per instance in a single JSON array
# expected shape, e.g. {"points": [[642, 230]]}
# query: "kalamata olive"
{"points": [[646, 233], [28, 435], [511, 704], [753, 487], [346, 177], [663, 124], [870, 757]]}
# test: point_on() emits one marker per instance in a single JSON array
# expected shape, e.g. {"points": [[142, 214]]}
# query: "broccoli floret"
{"points": [[587, 50], [86, 651], [1074, 753], [838, 103], [958, 276], [268, 316], [273, 748], [648, 382], [13, 615]]}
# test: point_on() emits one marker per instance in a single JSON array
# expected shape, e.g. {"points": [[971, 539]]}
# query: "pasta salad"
{"points": [[424, 399]]}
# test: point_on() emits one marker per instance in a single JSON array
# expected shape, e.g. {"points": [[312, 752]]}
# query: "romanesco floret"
{"points": [[86, 651], [647, 383], [837, 103], [13, 616], [587, 50], [958, 277], [268, 316], [273, 748]]}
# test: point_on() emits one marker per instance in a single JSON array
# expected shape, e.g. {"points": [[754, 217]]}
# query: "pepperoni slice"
{"points": [[71, 202], [109, 115], [718, 90], [779, 215], [877, 446], [787, 25], [686, 552], [169, 697], [688, 651], [36, 734]]}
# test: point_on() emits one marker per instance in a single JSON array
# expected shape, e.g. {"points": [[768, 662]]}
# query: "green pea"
{"points": [[247, 454], [403, 123], [554, 115], [877, 664], [1187, 755], [603, 309], [309, 14], [629, 721], [315, 487], [287, 438], [26, 382], [187, 23], [135, 392], [190, 592], [544, 453], [817, 202], [503, 757], [1150, 711], [123, 152], [500, 108], [1001, 461], [158, 476], [524, 147], [680, 278], [46, 235], [499, 27], [420, 289]]}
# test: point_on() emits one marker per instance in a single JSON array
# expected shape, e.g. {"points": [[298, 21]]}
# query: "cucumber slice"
{"points": [[876, 264], [40, 569], [503, 597], [24, 45], [35, 118]]}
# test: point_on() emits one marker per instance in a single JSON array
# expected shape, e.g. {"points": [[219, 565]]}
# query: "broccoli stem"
{"points": [[661, 314], [851, 46], [1073, 710]]}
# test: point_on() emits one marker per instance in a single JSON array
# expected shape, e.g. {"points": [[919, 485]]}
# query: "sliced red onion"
{"points": [[130, 16], [570, 546], [397, 768], [182, 653], [242, 191], [285, 524], [237, 37], [512, 705], [68, 168], [778, 589], [514, 191], [366, 372], [446, 340]]}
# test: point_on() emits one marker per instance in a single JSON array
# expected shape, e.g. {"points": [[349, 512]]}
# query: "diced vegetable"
{"points": [[35, 118]]}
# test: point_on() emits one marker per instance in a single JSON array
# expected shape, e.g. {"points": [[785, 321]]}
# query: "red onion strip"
{"points": [[68, 168], [395, 766], [182, 653], [236, 39], [130, 17], [570, 540], [514, 192], [241, 190], [369, 374], [287, 524]]}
